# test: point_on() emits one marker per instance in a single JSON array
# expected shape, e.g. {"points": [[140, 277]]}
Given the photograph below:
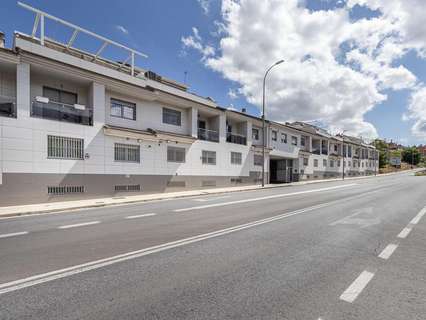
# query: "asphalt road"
{"points": [[338, 250]]}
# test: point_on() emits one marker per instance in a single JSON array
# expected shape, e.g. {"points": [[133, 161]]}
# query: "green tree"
{"points": [[383, 149], [411, 156]]}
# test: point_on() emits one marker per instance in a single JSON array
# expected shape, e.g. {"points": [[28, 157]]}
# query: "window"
{"points": [[255, 134], [65, 148], [349, 163], [316, 163], [175, 154], [59, 190], [349, 151], [274, 135], [324, 163], [124, 188], [208, 157], [294, 140], [331, 163], [126, 152], [258, 159], [338, 163], [236, 157], [302, 141], [171, 116], [283, 137], [335, 148], [305, 161], [123, 109], [60, 96]]}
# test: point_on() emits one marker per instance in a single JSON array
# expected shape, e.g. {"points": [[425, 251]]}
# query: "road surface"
{"points": [[353, 249]]}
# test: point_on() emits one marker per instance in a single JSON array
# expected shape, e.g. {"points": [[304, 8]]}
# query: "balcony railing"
{"points": [[236, 138], [7, 106], [316, 151], [208, 135], [61, 112]]}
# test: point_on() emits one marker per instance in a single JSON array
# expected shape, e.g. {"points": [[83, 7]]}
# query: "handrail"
{"points": [[39, 19]]}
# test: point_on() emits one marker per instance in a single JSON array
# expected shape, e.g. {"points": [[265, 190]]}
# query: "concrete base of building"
{"points": [[29, 188]]}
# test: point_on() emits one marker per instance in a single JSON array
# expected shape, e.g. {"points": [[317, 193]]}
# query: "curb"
{"points": [[201, 193]]}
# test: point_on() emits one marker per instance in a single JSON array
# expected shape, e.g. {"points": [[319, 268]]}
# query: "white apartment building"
{"points": [[75, 125]]}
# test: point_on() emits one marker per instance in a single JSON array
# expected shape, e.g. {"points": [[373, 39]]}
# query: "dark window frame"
{"points": [[122, 104]]}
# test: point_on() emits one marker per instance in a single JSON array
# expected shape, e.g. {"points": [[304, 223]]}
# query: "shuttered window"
{"points": [[208, 157], [236, 157], [175, 154], [171, 116], [65, 148], [126, 152]]}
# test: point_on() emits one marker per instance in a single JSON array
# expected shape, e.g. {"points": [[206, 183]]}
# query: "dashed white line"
{"points": [[387, 252], [7, 235], [417, 218], [352, 292], [79, 225], [404, 233], [141, 216], [263, 198]]}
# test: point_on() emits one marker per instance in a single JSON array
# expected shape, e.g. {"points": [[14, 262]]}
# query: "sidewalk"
{"points": [[38, 208]]}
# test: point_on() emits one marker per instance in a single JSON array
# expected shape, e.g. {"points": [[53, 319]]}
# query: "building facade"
{"points": [[74, 125]]}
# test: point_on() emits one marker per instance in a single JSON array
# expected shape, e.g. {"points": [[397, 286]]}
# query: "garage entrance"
{"points": [[281, 170]]}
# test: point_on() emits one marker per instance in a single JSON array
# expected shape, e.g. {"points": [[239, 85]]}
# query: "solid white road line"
{"points": [[387, 252], [417, 218], [141, 216], [211, 199], [7, 235], [62, 273], [263, 198], [404, 233], [352, 292], [78, 225]]}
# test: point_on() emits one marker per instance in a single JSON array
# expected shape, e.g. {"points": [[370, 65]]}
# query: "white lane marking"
{"points": [[211, 199], [263, 198], [78, 225], [66, 272], [404, 233], [7, 235], [417, 218], [387, 252], [141, 216], [352, 292]]}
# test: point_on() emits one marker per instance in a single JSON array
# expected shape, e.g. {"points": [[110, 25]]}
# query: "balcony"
{"points": [[316, 151], [7, 106], [61, 112], [236, 138], [208, 135]]}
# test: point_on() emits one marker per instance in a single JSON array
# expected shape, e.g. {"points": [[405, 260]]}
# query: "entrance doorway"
{"points": [[281, 170]]}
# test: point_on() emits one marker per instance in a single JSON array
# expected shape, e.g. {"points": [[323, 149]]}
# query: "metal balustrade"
{"points": [[61, 112], [236, 138], [208, 135]]}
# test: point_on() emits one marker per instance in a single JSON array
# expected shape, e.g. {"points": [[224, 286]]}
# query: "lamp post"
{"points": [[263, 120]]}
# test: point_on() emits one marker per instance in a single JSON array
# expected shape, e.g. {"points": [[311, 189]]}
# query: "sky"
{"points": [[354, 65]]}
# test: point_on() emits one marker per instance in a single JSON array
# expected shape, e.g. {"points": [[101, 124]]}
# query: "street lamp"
{"points": [[343, 153], [263, 120]]}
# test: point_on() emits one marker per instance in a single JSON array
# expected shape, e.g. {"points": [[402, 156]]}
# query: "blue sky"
{"points": [[157, 27]]}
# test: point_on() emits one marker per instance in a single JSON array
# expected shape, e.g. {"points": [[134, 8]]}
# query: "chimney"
{"points": [[1, 39], [243, 110]]}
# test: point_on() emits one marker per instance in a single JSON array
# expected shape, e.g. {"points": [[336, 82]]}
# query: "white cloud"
{"points": [[195, 41], [122, 29], [417, 112], [205, 5], [336, 68], [232, 93]]}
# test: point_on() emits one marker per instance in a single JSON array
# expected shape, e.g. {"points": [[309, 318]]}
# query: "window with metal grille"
{"points": [[236, 157], [65, 148], [255, 133], [305, 161], [208, 157], [123, 109], [126, 152], [171, 116], [316, 163], [257, 159], [175, 154], [274, 135], [58, 190], [294, 140], [283, 137], [324, 162]]}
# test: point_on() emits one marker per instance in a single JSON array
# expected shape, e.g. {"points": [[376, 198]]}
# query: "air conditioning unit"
{"points": [[79, 106], [152, 76], [42, 99]]}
